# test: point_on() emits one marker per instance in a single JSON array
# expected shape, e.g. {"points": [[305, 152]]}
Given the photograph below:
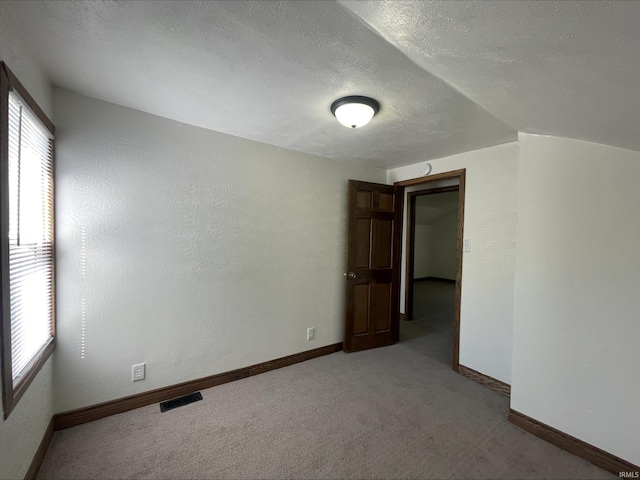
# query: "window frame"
{"points": [[11, 393]]}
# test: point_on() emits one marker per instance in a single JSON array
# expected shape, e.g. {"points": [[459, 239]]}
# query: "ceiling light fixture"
{"points": [[354, 111]]}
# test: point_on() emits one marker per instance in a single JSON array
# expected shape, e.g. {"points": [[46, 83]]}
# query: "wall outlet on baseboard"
{"points": [[311, 332], [138, 372]]}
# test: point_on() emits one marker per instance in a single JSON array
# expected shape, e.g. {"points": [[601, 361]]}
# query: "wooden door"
{"points": [[374, 237]]}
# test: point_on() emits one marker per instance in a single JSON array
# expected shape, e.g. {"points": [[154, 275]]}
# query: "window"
{"points": [[27, 242]]}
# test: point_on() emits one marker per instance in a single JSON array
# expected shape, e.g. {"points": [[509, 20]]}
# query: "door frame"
{"points": [[459, 175], [410, 247]]}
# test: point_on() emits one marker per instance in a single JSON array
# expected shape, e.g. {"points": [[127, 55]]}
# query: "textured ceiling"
{"points": [[266, 71], [564, 68], [450, 76]]}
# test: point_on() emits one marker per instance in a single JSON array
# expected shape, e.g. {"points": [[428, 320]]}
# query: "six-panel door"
{"points": [[373, 265]]}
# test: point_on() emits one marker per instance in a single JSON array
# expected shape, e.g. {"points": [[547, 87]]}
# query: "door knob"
{"points": [[352, 275]]}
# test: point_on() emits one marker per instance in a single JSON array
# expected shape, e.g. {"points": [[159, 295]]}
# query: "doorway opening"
{"points": [[432, 266]]}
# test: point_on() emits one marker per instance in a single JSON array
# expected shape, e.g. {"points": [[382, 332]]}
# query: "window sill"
{"points": [[12, 393]]}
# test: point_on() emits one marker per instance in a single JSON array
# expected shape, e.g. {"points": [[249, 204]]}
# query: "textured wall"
{"points": [[488, 270], [576, 355], [422, 248], [193, 251], [15, 52], [444, 236], [435, 248], [22, 433]]}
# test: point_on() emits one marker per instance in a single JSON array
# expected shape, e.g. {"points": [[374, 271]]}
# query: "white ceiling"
{"points": [[269, 70], [564, 68], [431, 208]]}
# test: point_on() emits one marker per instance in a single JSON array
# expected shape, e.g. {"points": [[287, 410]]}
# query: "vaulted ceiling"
{"points": [[450, 76]]}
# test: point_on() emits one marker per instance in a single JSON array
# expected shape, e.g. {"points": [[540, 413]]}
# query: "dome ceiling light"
{"points": [[354, 111]]}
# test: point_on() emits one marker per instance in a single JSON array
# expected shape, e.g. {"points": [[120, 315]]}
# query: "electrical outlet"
{"points": [[138, 372], [311, 331]]}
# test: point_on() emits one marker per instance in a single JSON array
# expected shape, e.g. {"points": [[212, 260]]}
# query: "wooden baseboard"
{"points": [[36, 463], [489, 382], [573, 445], [120, 405], [404, 317], [437, 279]]}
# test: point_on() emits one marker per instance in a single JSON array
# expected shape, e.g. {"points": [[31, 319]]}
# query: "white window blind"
{"points": [[30, 235]]}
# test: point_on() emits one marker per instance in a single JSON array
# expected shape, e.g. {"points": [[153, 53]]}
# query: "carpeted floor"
{"points": [[394, 412], [431, 330]]}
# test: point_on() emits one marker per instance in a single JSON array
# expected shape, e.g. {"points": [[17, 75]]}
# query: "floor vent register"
{"points": [[180, 401]]}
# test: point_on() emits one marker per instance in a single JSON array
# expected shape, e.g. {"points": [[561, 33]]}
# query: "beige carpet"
{"points": [[394, 412]]}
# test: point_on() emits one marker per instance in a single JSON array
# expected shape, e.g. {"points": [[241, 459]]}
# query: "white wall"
{"points": [[15, 52], [422, 247], [576, 342], [22, 432], [435, 248], [193, 251], [488, 270], [444, 247]]}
